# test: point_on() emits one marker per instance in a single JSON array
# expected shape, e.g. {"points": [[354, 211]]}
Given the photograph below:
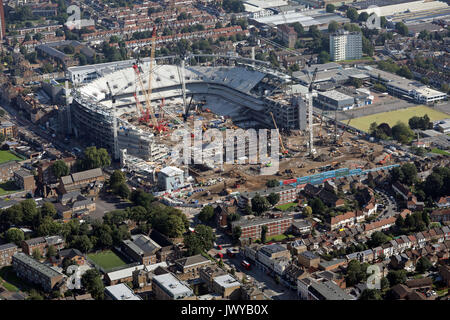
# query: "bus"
{"points": [[245, 264]]}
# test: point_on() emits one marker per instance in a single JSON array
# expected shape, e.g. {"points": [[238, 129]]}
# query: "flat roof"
{"points": [[172, 285], [122, 292], [335, 95], [226, 281]]}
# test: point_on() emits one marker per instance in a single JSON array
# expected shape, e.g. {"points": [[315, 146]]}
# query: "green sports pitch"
{"points": [[6, 156], [392, 117], [107, 259]]}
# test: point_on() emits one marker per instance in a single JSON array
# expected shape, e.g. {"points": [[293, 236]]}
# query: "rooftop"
{"points": [[174, 287], [226, 281], [121, 292], [36, 265]]}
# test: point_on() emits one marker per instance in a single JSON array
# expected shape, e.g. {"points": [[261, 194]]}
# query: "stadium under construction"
{"points": [[107, 110]]}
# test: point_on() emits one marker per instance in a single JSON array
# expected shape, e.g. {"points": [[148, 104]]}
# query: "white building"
{"points": [[171, 178], [345, 45], [120, 292], [427, 95]]}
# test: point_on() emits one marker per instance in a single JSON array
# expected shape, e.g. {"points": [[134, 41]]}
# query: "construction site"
{"points": [[134, 111]]}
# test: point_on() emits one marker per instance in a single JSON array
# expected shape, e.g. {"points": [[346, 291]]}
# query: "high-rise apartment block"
{"points": [[345, 45]]}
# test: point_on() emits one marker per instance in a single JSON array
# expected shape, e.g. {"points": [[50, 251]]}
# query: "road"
{"points": [[262, 280], [390, 204]]}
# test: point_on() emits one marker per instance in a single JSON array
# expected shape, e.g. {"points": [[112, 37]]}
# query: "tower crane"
{"points": [[147, 93], [279, 136], [309, 102]]}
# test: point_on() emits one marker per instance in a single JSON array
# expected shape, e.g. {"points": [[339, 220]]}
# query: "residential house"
{"points": [[42, 244], [440, 215], [343, 220], [6, 253], [140, 249]]}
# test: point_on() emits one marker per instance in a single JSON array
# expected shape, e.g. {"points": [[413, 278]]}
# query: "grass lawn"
{"points": [[11, 282], [8, 187], [392, 117], [277, 237], [286, 206], [6, 156], [107, 259], [439, 151]]}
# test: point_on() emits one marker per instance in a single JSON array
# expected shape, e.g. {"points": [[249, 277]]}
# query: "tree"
{"points": [[399, 222], [423, 265], [401, 28], [29, 210], [259, 204], [318, 207], [60, 169], [409, 173], [93, 283], [141, 198], [396, 277], [307, 211], [363, 17], [14, 235], [384, 283], [206, 236], [273, 198], [404, 71], [356, 272], [272, 183], [324, 57], [116, 179], [402, 133], [82, 243], [370, 294], [330, 8], [236, 234], [36, 254], [298, 28], [95, 158], [51, 251], [352, 14], [264, 230], [333, 26], [377, 239], [206, 214], [123, 191], [48, 210], [34, 295]]}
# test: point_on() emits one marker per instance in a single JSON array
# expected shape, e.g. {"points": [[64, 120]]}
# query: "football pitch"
{"points": [[392, 117], [107, 259]]}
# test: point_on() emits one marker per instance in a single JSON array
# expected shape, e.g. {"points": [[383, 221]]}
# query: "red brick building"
{"points": [[251, 229]]}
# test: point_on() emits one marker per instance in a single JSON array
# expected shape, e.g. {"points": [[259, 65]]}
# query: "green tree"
{"points": [[82, 243], [264, 230], [51, 251], [396, 277], [60, 169], [34, 295], [95, 158], [363, 17], [259, 204], [93, 283], [14, 235], [330, 8], [402, 133], [123, 191], [423, 265], [370, 294], [273, 198], [318, 207], [236, 234], [307, 211], [116, 179], [401, 28], [333, 26], [206, 214], [352, 14], [36, 254], [324, 57], [48, 210], [272, 183]]}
